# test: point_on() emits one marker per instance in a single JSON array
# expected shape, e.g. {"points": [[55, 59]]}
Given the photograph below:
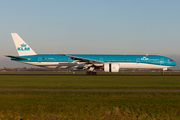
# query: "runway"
{"points": [[87, 90], [79, 75]]}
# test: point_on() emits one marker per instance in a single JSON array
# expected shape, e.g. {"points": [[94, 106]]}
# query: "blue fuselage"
{"points": [[147, 59]]}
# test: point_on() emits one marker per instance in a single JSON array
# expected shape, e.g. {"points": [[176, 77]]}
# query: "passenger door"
{"points": [[162, 61], [137, 60], [39, 59], [101, 59]]}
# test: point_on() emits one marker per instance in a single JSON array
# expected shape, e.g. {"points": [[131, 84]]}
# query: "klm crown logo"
{"points": [[23, 45], [23, 48], [144, 58]]}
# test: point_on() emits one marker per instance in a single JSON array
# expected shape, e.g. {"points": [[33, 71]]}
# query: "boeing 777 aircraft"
{"points": [[91, 62]]}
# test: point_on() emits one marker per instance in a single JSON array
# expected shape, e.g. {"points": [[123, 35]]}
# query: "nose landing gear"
{"points": [[164, 69]]}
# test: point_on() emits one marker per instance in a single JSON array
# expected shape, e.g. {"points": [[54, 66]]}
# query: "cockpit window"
{"points": [[171, 60]]}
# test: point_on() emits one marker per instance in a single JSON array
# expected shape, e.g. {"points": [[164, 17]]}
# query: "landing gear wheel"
{"points": [[94, 73], [91, 73], [162, 73]]}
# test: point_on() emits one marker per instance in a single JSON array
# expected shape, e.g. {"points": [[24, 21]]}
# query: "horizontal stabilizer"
{"points": [[20, 58]]}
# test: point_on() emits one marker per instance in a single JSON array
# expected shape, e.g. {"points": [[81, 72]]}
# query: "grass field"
{"points": [[89, 105], [91, 82]]}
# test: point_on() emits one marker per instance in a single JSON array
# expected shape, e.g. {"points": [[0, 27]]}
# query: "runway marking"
{"points": [[89, 90]]}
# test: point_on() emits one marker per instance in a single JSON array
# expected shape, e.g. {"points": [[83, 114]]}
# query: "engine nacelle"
{"points": [[111, 67], [80, 66]]}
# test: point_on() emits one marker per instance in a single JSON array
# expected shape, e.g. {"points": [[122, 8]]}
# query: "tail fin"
{"points": [[22, 47]]}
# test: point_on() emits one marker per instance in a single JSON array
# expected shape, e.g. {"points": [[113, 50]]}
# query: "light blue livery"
{"points": [[91, 62]]}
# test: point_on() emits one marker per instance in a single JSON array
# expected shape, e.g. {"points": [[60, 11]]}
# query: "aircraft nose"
{"points": [[174, 63]]}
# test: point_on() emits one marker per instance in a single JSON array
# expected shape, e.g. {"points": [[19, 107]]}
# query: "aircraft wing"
{"points": [[20, 58], [84, 60]]}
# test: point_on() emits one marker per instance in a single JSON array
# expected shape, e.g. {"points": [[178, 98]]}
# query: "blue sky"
{"points": [[91, 26]]}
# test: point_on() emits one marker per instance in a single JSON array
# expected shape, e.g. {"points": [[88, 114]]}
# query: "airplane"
{"points": [[90, 62]]}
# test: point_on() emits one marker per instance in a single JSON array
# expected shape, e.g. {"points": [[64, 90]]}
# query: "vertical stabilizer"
{"points": [[22, 47]]}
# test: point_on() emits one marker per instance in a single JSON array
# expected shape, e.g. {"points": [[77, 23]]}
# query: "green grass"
{"points": [[90, 105], [91, 82]]}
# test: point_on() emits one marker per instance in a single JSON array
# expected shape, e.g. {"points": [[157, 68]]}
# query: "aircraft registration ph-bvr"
{"points": [[90, 62]]}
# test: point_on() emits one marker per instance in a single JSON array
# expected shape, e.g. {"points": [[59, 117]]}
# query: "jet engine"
{"points": [[80, 66], [111, 67]]}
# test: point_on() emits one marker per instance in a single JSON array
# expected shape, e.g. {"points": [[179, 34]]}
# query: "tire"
{"points": [[94, 73]]}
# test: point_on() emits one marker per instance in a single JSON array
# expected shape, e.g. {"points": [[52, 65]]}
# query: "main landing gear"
{"points": [[91, 73]]}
